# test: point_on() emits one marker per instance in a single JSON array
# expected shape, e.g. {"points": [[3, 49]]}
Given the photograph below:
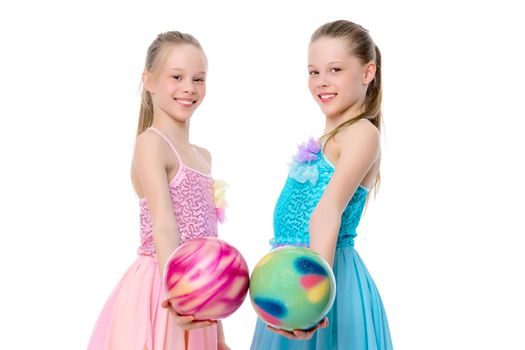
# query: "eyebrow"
{"points": [[201, 72], [339, 62]]}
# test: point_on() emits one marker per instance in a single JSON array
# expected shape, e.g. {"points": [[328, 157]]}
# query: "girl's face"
{"points": [[338, 80], [178, 85]]}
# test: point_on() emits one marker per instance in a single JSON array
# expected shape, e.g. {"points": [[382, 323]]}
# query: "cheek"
{"points": [[201, 89], [356, 80], [169, 86], [165, 87], [311, 86], [351, 84]]}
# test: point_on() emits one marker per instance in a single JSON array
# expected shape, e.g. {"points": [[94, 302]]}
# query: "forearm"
{"points": [[166, 240], [220, 333]]}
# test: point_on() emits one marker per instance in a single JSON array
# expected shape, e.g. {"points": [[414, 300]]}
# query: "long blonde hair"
{"points": [[360, 45], [153, 57]]}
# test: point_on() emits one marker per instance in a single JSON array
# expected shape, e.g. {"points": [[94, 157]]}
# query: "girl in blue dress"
{"points": [[329, 182]]}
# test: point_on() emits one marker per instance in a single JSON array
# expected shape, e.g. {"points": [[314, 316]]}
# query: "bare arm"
{"points": [[150, 166], [360, 147], [149, 162]]}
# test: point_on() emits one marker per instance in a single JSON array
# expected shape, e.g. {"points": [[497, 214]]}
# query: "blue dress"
{"points": [[357, 320]]}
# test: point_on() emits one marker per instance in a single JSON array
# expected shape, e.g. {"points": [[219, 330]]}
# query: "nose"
{"points": [[322, 82], [189, 88]]}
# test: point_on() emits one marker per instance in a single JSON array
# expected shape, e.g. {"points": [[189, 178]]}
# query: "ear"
{"points": [[147, 81], [369, 73]]}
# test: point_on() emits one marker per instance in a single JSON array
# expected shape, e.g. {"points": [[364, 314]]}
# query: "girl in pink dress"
{"points": [[173, 181]]}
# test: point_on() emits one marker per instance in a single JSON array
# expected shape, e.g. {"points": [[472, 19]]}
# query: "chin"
{"points": [[330, 112], [182, 117]]}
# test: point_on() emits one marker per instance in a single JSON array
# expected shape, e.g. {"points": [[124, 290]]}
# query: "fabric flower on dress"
{"points": [[219, 189], [304, 165]]}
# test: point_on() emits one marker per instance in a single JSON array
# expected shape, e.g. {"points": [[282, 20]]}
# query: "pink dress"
{"points": [[132, 318]]}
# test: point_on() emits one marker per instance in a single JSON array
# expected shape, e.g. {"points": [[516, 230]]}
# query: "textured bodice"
{"points": [[193, 206], [300, 197], [197, 200]]}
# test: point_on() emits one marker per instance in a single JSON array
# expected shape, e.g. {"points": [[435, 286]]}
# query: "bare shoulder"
{"points": [[150, 147], [363, 128], [205, 153], [147, 140], [363, 135]]}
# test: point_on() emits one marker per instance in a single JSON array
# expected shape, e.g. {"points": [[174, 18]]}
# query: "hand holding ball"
{"points": [[292, 288], [206, 278]]}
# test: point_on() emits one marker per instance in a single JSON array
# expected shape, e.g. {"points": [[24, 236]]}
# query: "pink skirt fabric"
{"points": [[133, 319]]}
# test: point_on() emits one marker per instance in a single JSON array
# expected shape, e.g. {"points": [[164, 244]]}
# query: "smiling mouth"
{"points": [[326, 98], [185, 102]]}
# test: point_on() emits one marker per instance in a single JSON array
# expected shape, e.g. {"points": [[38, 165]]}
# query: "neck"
{"points": [[350, 113], [179, 131]]}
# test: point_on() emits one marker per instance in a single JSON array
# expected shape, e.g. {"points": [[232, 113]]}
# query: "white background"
{"points": [[442, 240]]}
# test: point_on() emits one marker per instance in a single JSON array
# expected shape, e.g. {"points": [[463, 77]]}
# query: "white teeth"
{"points": [[327, 96], [185, 102]]}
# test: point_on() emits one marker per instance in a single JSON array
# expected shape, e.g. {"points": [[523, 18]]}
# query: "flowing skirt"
{"points": [[133, 319], [357, 320]]}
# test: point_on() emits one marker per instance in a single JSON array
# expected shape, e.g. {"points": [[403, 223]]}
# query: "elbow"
{"points": [[162, 232], [325, 219], [166, 236], [164, 229]]}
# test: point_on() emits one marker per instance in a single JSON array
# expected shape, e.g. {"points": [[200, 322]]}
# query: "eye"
{"points": [[313, 73], [177, 77], [335, 69], [199, 80]]}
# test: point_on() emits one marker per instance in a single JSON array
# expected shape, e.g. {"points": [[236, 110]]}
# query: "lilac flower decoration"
{"points": [[304, 165], [308, 152]]}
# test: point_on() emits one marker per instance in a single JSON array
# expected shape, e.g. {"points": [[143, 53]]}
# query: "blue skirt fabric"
{"points": [[357, 320]]}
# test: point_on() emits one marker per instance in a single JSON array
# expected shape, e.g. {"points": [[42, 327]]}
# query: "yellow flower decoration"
{"points": [[219, 189]]}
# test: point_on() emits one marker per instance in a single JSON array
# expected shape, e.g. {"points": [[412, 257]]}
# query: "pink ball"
{"points": [[207, 278]]}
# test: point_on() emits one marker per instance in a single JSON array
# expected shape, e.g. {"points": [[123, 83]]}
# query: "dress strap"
{"points": [[168, 141], [202, 157]]}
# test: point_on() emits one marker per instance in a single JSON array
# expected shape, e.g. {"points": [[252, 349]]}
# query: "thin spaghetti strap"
{"points": [[202, 157], [168, 141]]}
